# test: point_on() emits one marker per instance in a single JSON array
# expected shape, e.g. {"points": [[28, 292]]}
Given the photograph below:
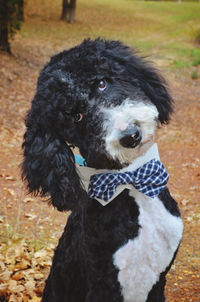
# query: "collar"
{"points": [[85, 172]]}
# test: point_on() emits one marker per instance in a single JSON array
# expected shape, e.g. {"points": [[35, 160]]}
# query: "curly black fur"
{"points": [[82, 268]]}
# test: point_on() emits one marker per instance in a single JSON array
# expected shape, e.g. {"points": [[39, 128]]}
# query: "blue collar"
{"points": [[79, 160]]}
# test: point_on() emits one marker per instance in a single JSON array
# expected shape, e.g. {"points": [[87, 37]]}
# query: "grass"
{"points": [[194, 75], [10, 235], [163, 29]]}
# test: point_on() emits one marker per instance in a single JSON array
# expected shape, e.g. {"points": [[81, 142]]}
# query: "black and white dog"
{"points": [[125, 228]]}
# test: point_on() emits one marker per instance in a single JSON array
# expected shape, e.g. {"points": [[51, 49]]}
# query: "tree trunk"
{"points": [[4, 42], [4, 34], [72, 11], [64, 10], [68, 10], [21, 10]]}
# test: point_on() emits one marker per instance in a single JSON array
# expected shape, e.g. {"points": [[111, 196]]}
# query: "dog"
{"points": [[125, 228]]}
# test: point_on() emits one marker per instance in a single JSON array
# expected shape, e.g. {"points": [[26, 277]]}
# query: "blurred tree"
{"points": [[11, 15], [68, 10], [21, 10]]}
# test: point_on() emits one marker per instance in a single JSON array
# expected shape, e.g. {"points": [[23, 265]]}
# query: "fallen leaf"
{"points": [[184, 202], [10, 177], [35, 299], [38, 276], [13, 298], [2, 266], [3, 288], [4, 276], [41, 254], [30, 216], [10, 191], [29, 286], [14, 287], [22, 264], [18, 276], [28, 199]]}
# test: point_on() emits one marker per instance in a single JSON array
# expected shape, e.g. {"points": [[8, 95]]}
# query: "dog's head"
{"points": [[100, 97]]}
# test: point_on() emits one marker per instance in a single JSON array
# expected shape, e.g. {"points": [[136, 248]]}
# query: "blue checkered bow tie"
{"points": [[149, 179]]}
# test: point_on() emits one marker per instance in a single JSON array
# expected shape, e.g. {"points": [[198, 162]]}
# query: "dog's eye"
{"points": [[102, 85], [78, 117]]}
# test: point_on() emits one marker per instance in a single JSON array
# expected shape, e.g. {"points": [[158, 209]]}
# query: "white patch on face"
{"points": [[117, 119], [142, 259]]}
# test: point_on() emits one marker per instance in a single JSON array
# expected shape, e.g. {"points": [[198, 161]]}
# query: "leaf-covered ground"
{"points": [[29, 228]]}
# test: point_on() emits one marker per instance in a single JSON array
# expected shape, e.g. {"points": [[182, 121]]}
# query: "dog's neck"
{"points": [[86, 172]]}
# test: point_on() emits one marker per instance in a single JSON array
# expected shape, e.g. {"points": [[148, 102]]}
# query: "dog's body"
{"points": [[108, 103]]}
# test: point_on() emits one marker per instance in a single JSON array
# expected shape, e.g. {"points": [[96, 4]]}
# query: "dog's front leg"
{"points": [[70, 287], [103, 285], [67, 281], [101, 293], [54, 289]]}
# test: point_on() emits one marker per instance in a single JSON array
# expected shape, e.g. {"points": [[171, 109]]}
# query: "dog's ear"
{"points": [[48, 167], [155, 87]]}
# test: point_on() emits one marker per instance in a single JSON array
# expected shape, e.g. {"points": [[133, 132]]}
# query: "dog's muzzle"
{"points": [[130, 137]]}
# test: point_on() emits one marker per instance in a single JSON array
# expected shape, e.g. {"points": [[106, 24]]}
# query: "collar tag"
{"points": [[79, 160]]}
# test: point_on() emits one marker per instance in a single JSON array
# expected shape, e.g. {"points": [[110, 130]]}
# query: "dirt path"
{"points": [[179, 145]]}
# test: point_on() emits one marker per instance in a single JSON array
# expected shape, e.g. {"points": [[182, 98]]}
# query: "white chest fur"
{"points": [[142, 259]]}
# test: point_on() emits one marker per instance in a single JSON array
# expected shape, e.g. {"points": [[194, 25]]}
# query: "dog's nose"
{"points": [[130, 137]]}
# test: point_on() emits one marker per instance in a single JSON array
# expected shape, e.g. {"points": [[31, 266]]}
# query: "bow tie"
{"points": [[149, 179]]}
